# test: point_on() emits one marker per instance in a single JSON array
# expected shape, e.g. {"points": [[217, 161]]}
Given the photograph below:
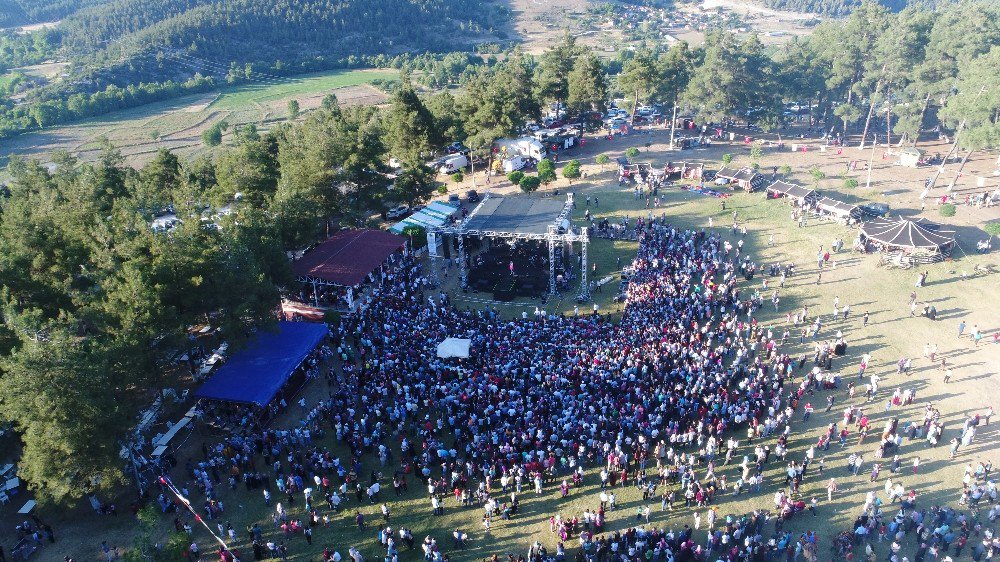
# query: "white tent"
{"points": [[453, 347]]}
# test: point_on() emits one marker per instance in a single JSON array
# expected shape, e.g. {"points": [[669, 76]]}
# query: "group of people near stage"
{"points": [[684, 384], [649, 397]]}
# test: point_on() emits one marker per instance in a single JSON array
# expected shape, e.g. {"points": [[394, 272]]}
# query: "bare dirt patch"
{"points": [[48, 70], [348, 96], [542, 23]]}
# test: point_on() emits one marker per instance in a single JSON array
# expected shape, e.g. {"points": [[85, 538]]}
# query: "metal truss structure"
{"points": [[552, 237]]}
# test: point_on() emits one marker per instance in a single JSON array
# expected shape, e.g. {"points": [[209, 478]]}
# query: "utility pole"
{"points": [[635, 106], [673, 125], [871, 162]]}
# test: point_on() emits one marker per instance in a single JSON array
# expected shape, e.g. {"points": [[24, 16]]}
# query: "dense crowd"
{"points": [[647, 398], [660, 400]]}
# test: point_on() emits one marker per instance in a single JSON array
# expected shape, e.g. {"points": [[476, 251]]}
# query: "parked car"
{"points": [[874, 210], [472, 195], [456, 148], [454, 198], [398, 212]]}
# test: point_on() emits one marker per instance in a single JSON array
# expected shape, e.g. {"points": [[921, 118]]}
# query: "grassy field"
{"points": [[306, 85], [5, 80], [177, 124], [890, 335]]}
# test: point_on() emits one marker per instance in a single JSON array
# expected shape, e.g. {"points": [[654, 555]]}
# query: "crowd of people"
{"points": [[687, 382], [649, 398]]}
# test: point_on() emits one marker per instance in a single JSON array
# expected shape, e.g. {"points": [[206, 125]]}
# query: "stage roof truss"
{"points": [[552, 236]]}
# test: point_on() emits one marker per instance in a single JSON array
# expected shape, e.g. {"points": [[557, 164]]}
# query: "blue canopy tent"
{"points": [[256, 374]]}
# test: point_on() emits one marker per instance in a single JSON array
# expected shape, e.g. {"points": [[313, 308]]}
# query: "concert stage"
{"points": [[491, 270], [527, 243]]}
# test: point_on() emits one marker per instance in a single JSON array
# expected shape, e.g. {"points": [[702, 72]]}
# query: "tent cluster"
{"points": [[801, 195], [837, 209], [811, 200], [434, 214]]}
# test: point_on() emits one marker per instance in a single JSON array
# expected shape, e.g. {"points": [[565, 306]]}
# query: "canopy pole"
{"points": [[315, 294], [552, 260], [434, 265], [464, 275]]}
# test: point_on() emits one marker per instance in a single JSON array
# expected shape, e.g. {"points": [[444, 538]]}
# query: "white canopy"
{"points": [[453, 347]]}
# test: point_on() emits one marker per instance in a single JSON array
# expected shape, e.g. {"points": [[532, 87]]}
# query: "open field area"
{"points": [[177, 124], [890, 334], [47, 70], [542, 23]]}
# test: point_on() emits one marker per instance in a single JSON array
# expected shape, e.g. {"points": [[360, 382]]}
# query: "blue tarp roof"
{"points": [[256, 374], [434, 214]]}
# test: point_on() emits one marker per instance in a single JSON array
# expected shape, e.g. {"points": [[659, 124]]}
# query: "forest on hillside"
{"points": [[129, 52], [838, 8], [23, 12]]}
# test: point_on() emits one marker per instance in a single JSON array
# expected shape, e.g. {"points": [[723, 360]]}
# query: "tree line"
{"points": [[900, 73], [834, 8], [15, 13]]}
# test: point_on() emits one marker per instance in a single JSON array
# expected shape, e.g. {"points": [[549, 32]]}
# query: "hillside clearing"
{"points": [[177, 124]]}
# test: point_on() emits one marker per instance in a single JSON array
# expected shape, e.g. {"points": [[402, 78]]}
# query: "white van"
{"points": [[527, 147], [513, 163], [453, 163]]}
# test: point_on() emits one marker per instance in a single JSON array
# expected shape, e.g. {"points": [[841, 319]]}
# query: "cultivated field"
{"points": [[177, 124]]}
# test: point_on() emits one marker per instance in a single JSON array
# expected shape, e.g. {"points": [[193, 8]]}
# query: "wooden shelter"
{"points": [[838, 210], [744, 178], [801, 196]]}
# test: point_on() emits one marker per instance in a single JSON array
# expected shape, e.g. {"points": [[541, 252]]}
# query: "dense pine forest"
{"points": [[836, 8], [24, 12]]}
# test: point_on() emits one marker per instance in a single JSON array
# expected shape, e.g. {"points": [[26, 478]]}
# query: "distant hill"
{"points": [[129, 52], [23, 12], [11, 14], [270, 30]]}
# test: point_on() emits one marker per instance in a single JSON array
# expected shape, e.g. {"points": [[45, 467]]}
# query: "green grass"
{"points": [[5, 80], [300, 85]]}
